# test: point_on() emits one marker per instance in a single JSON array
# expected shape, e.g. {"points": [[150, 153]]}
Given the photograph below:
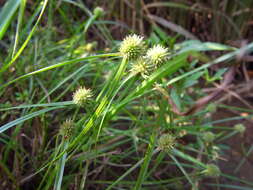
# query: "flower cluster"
{"points": [[98, 12], [157, 55], [82, 96], [66, 129], [132, 47], [240, 128], [166, 142], [212, 171], [144, 62], [208, 137]]}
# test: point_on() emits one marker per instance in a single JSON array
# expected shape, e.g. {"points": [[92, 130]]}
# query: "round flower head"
{"points": [[140, 66], [212, 171], [211, 108], [157, 55], [208, 137], [98, 12], [132, 47], [166, 142], [82, 96], [66, 129], [239, 128]]}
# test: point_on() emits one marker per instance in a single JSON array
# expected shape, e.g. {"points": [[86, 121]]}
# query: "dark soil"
{"points": [[239, 146]]}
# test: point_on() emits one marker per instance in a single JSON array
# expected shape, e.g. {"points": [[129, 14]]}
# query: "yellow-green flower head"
{"points": [[157, 55], [132, 47], [138, 66], [208, 137], [82, 96], [212, 171], [166, 142], [239, 128], [98, 12], [211, 108], [66, 129]]}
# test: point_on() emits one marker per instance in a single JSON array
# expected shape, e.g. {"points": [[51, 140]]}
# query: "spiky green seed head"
{"points": [[208, 137], [132, 47], [140, 66], [212, 170], [211, 108], [240, 128], [98, 12], [82, 96], [166, 142], [67, 128], [157, 55]]}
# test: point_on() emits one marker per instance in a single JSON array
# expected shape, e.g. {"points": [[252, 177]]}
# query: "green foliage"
{"points": [[6, 15]]}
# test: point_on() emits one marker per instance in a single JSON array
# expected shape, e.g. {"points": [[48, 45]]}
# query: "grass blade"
{"points": [[20, 18], [183, 171], [7, 13], [61, 166], [58, 65], [187, 157], [6, 66], [27, 117], [66, 103], [144, 167]]}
